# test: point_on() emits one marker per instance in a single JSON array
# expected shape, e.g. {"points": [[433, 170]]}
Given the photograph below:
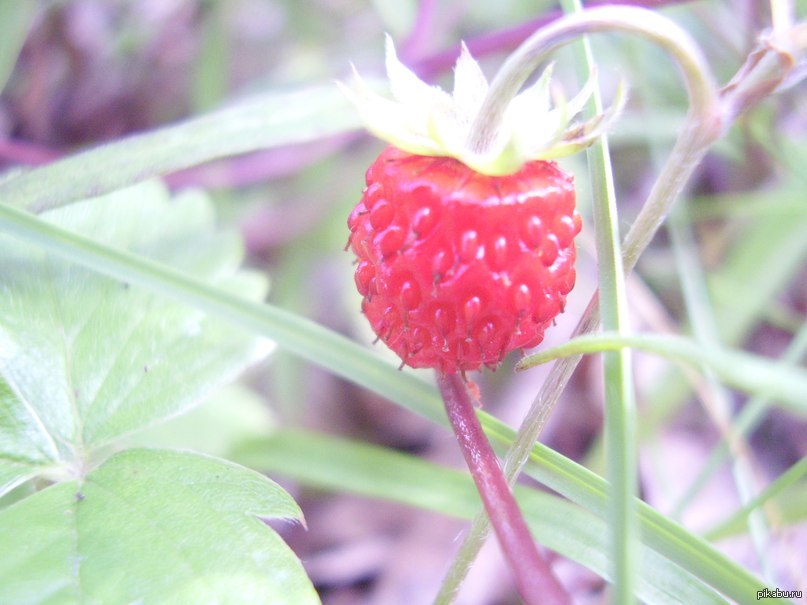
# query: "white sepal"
{"points": [[470, 86], [426, 120]]}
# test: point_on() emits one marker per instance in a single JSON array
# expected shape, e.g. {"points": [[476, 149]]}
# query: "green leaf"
{"points": [[376, 472], [742, 370], [152, 526], [229, 416], [260, 122], [24, 448], [87, 358], [212, 69]]}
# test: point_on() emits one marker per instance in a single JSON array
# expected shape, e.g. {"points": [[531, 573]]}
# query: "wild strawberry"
{"points": [[465, 244], [465, 254], [457, 268]]}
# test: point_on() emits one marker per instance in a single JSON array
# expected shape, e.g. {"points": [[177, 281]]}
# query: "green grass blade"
{"points": [[658, 531], [372, 471], [717, 404], [738, 369], [789, 508], [749, 418], [768, 255], [760, 265], [620, 412], [739, 519], [620, 421], [257, 123], [212, 68]]}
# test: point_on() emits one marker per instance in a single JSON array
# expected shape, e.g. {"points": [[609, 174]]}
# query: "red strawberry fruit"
{"points": [[458, 268], [464, 237]]}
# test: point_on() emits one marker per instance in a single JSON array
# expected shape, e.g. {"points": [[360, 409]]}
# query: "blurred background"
{"points": [[90, 71]]}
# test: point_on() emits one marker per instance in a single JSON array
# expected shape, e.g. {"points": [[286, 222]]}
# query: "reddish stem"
{"points": [[534, 578]]}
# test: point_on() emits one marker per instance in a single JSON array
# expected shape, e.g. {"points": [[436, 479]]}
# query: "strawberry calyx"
{"points": [[538, 124]]}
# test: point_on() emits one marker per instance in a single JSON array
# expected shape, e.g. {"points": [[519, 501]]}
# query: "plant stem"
{"points": [[504, 40], [660, 30], [534, 579]]}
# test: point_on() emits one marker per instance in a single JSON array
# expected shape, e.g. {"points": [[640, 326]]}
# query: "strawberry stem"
{"points": [[534, 578], [660, 30]]}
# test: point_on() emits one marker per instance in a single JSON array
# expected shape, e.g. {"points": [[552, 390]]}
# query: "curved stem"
{"points": [[704, 125], [660, 30], [534, 578], [503, 40]]}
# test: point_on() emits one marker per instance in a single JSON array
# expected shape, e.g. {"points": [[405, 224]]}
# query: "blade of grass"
{"points": [[742, 370], [295, 333], [620, 412], [211, 71], [768, 255], [790, 511], [740, 517], [617, 376], [257, 123], [698, 308], [662, 533], [347, 466], [789, 508], [752, 205], [749, 418]]}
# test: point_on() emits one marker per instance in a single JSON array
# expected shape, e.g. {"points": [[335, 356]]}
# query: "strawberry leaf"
{"points": [[152, 526], [231, 415], [85, 358]]}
